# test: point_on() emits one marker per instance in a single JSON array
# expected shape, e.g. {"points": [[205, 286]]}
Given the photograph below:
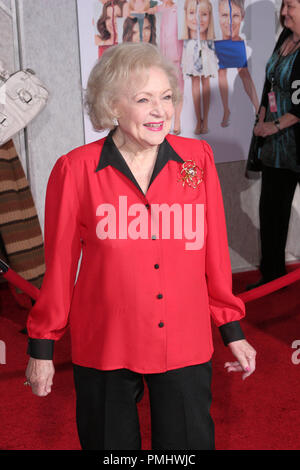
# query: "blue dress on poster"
{"points": [[231, 54]]}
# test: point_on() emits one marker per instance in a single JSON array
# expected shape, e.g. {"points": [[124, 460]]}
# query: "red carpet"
{"points": [[261, 412]]}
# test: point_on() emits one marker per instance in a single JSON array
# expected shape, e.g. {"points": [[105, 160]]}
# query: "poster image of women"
{"points": [[106, 26], [138, 9], [149, 29], [131, 29], [218, 102], [199, 61], [171, 47], [233, 55]]}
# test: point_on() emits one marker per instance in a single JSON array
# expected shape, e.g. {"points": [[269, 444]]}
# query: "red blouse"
{"points": [[148, 281]]}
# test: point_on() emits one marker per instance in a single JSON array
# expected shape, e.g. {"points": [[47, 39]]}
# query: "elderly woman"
{"points": [[148, 282], [279, 126]]}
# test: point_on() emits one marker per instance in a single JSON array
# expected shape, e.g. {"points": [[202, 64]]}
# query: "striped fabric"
{"points": [[21, 241]]}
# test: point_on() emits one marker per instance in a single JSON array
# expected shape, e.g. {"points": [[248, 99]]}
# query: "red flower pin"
{"points": [[191, 174]]}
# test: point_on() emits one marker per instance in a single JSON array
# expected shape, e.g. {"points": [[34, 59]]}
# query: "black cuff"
{"points": [[40, 348], [231, 331]]}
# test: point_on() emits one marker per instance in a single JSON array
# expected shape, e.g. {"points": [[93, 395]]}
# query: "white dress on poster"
{"points": [[199, 58]]}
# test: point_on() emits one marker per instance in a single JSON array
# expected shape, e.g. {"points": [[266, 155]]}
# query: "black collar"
{"points": [[110, 155]]}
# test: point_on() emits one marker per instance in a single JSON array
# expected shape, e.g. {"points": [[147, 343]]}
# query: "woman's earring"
{"points": [[115, 121]]}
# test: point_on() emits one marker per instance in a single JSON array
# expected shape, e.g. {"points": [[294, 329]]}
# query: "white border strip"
{"points": [[15, 13]]}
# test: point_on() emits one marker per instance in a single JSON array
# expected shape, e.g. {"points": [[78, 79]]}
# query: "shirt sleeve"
{"points": [[48, 318], [226, 309]]}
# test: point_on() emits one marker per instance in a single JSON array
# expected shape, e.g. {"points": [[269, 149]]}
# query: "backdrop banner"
{"points": [[218, 47]]}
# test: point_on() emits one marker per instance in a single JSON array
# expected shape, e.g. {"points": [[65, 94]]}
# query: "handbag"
{"points": [[22, 97], [254, 163]]}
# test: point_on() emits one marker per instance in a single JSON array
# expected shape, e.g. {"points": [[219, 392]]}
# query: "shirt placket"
{"points": [[159, 290]]}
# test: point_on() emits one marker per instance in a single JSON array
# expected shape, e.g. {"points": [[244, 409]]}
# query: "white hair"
{"points": [[114, 70]]}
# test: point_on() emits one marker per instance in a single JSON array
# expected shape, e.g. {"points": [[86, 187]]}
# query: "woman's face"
{"points": [[291, 13], [237, 19], [145, 112], [224, 18], [191, 18], [146, 30], [204, 18], [111, 18], [135, 33]]}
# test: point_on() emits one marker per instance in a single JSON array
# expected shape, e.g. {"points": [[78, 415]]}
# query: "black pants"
{"points": [[277, 193], [180, 399]]}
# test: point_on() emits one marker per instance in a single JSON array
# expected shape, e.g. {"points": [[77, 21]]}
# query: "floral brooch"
{"points": [[191, 174]]}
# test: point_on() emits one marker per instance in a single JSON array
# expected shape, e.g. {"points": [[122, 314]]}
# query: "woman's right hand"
{"points": [[258, 128], [39, 374]]}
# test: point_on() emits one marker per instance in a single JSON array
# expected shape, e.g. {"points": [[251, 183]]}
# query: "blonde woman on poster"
{"points": [[230, 26], [199, 59]]}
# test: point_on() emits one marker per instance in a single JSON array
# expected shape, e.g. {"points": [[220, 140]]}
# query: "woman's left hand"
{"points": [[264, 129], [245, 355]]}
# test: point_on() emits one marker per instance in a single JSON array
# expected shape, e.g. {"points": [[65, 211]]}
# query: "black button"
{"points": [[148, 206], [153, 237], [159, 296], [161, 324], [156, 266]]}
